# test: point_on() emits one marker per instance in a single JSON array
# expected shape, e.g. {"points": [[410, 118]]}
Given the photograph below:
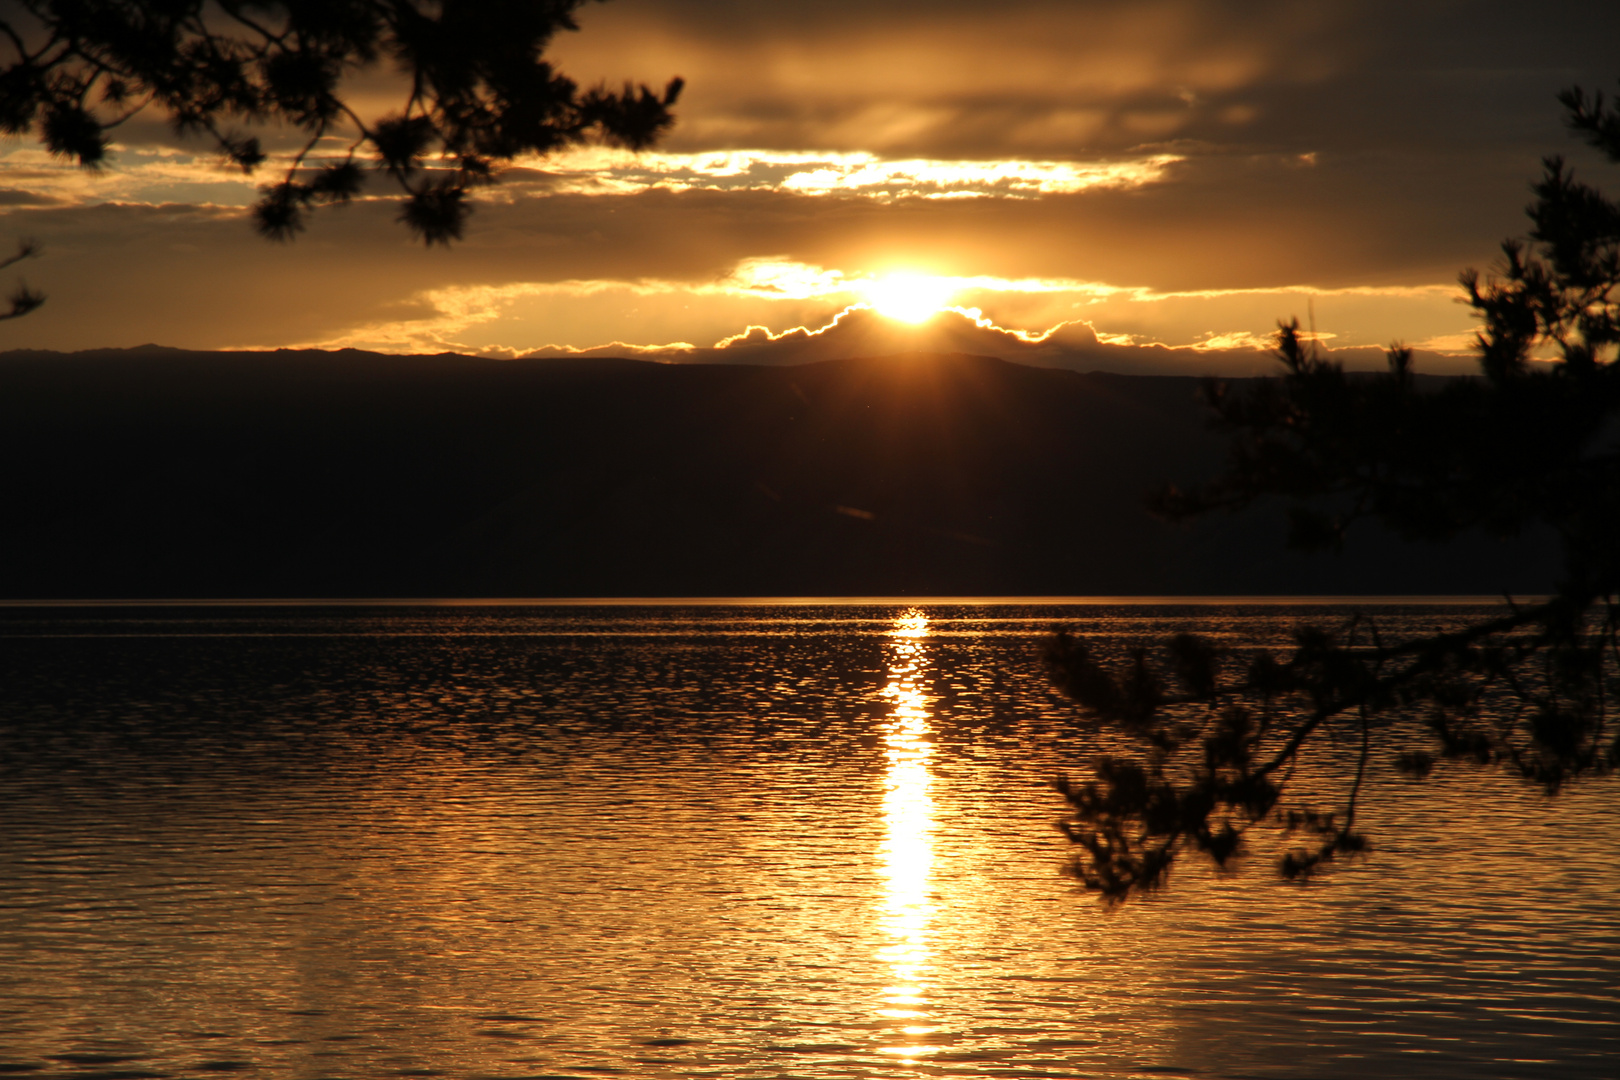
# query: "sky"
{"points": [[1126, 185]]}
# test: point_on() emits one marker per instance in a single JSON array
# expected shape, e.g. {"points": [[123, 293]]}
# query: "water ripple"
{"points": [[719, 842]]}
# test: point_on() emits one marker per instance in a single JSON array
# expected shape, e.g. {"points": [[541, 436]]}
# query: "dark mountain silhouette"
{"points": [[159, 473]]}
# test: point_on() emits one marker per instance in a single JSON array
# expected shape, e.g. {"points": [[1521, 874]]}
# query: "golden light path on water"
{"points": [[907, 853]]}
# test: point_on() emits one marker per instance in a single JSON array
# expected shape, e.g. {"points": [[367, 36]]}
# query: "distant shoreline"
{"points": [[775, 601], [929, 478]]}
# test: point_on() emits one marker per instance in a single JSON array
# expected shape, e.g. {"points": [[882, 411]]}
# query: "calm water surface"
{"points": [[715, 842]]}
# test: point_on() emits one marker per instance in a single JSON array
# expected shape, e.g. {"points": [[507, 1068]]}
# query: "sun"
{"points": [[911, 298]]}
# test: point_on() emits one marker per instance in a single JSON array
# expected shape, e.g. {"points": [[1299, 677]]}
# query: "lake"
{"points": [[761, 841]]}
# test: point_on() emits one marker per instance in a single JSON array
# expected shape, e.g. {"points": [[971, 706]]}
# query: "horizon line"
{"points": [[1473, 599]]}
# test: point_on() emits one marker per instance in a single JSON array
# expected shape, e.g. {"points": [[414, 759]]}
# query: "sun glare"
{"points": [[908, 849], [911, 298]]}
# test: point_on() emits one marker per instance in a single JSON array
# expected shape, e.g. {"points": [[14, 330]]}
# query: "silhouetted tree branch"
{"points": [[1534, 441], [22, 299], [478, 91]]}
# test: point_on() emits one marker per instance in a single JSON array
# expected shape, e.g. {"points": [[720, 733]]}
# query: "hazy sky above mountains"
{"points": [[1084, 178]]}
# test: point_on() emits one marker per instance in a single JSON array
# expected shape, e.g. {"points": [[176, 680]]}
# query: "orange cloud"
{"points": [[859, 331]]}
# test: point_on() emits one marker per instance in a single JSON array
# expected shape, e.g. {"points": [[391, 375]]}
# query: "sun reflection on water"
{"points": [[907, 854]]}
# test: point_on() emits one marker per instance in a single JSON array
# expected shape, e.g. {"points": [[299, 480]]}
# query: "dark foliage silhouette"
{"points": [[22, 299], [476, 91], [1531, 443]]}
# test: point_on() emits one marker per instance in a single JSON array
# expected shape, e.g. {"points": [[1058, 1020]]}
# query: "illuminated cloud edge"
{"points": [[859, 331]]}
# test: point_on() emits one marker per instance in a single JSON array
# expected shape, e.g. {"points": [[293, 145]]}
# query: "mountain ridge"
{"points": [[169, 473]]}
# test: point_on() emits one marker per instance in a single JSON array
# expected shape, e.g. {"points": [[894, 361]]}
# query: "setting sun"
{"points": [[910, 298]]}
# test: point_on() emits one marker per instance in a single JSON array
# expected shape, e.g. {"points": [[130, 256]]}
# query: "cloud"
{"points": [[602, 171], [156, 175], [1144, 266], [1057, 79], [860, 331], [953, 99], [1259, 221], [953, 78], [23, 197], [142, 173], [777, 294]]}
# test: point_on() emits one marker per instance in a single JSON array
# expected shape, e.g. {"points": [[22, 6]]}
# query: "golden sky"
{"points": [[1130, 185]]}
